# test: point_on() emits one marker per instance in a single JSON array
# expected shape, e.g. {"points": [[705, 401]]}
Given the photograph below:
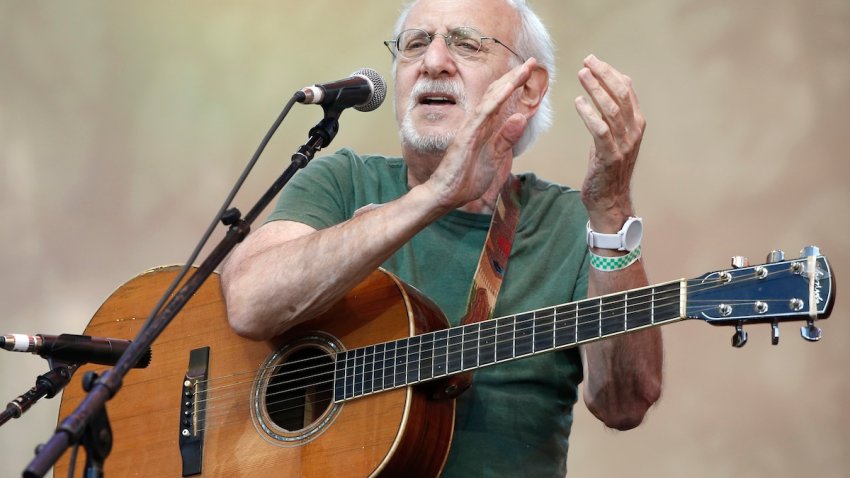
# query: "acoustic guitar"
{"points": [[350, 392]]}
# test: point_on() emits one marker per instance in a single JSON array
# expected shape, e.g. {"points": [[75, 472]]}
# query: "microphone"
{"points": [[365, 90], [73, 348]]}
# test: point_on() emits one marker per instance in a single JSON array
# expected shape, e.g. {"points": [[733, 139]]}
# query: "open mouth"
{"points": [[438, 100]]}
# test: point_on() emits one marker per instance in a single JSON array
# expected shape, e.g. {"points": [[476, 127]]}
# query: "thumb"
{"points": [[510, 133]]}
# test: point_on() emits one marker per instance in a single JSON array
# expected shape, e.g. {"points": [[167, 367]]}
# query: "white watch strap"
{"points": [[627, 239], [603, 241]]}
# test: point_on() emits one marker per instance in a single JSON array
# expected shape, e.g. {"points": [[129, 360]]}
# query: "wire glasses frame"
{"points": [[464, 42]]}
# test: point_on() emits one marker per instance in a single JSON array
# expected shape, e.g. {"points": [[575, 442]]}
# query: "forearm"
{"points": [[623, 373], [274, 280]]}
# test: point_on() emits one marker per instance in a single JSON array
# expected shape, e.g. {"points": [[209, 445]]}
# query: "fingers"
{"points": [[502, 89], [609, 108], [599, 129], [485, 121], [616, 101]]}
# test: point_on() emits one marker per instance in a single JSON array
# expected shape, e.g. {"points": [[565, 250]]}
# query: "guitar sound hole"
{"points": [[300, 390]]}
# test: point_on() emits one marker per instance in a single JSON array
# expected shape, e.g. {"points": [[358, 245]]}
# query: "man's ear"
{"points": [[534, 90]]}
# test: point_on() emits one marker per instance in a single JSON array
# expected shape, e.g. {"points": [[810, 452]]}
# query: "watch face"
{"points": [[633, 233]]}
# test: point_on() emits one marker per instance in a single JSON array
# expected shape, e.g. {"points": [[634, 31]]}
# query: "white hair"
{"points": [[533, 40]]}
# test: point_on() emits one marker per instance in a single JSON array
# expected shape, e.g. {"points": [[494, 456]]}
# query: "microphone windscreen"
{"points": [[379, 91]]}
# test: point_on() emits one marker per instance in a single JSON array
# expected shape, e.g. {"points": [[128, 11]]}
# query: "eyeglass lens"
{"points": [[464, 42]]}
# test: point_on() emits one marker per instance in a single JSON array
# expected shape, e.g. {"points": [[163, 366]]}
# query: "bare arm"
{"points": [[624, 373], [288, 272]]}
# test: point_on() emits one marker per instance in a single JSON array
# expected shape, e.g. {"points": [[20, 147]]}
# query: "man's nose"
{"points": [[438, 58]]}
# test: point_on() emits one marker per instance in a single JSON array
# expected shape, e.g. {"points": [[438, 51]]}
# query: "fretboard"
{"points": [[441, 353]]}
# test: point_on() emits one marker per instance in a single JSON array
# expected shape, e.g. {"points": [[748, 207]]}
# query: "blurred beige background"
{"points": [[123, 125]]}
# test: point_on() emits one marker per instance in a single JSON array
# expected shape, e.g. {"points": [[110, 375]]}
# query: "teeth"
{"points": [[434, 99]]}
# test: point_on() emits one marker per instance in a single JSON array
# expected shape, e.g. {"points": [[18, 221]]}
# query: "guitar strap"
{"points": [[487, 281], [493, 262]]}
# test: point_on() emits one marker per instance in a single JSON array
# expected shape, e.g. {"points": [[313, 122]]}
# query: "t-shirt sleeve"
{"points": [[319, 195], [580, 291]]}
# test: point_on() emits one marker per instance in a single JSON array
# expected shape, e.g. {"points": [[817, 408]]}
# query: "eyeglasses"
{"points": [[463, 42]]}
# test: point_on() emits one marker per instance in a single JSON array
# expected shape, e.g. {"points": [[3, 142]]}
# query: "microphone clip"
{"points": [[321, 136]]}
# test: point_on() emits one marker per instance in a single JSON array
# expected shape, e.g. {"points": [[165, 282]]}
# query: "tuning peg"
{"points": [[740, 261], [810, 332], [774, 332], [810, 251], [775, 256], [740, 338]]}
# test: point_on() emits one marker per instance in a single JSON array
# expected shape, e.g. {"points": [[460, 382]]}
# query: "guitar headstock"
{"points": [[778, 291]]}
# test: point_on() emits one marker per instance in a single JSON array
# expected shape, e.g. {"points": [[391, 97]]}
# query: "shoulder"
{"points": [[347, 160], [540, 193]]}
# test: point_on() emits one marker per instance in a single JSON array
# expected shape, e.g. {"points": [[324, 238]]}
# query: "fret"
{"points": [[400, 368], [426, 357], [639, 311], [566, 324], [454, 354], [412, 364], [339, 377], [441, 355], [524, 334], [544, 329], [588, 320], [652, 318], [358, 371], [369, 370], [389, 365], [378, 370], [487, 343], [611, 315], [504, 338], [349, 375], [470, 346]]}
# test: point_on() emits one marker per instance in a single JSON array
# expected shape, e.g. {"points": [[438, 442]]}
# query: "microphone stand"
{"points": [[46, 385], [78, 425]]}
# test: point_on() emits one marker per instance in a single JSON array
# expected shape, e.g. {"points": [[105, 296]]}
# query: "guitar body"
{"points": [[241, 432]]}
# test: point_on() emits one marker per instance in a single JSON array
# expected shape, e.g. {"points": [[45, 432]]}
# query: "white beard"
{"points": [[437, 143], [433, 142]]}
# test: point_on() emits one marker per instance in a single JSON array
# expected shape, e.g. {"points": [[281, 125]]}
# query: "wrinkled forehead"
{"points": [[490, 17]]}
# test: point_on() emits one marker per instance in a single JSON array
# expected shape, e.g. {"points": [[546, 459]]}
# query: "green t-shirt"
{"points": [[515, 420]]}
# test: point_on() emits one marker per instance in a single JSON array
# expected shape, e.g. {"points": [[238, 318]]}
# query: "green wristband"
{"points": [[610, 264]]}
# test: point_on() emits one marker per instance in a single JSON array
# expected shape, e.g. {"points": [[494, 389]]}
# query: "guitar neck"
{"points": [[442, 353]]}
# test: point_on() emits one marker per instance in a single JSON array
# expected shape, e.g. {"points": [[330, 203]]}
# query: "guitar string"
{"points": [[696, 282], [210, 419], [531, 337], [563, 326], [474, 339], [593, 314]]}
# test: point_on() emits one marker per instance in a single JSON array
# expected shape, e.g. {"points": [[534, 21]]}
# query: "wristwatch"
{"points": [[628, 239]]}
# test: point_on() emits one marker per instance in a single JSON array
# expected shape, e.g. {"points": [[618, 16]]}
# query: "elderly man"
{"points": [[471, 78]]}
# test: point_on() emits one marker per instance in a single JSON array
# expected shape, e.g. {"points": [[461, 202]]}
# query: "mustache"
{"points": [[438, 86]]}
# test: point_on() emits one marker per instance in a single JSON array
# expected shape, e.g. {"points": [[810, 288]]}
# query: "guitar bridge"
{"points": [[193, 411]]}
